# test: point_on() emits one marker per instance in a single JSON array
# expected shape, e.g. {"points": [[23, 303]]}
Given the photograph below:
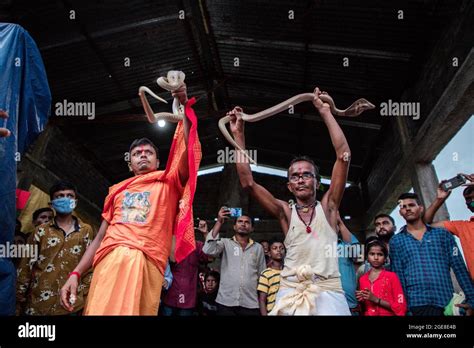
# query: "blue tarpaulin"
{"points": [[25, 96]]}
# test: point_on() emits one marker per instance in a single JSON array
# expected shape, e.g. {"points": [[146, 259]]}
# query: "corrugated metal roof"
{"points": [[278, 57]]}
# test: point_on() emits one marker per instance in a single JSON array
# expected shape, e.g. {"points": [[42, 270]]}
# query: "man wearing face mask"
{"points": [[60, 244]]}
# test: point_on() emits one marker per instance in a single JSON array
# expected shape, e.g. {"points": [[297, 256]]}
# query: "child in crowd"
{"points": [[266, 250], [207, 298], [42, 216], [269, 281], [380, 291]]}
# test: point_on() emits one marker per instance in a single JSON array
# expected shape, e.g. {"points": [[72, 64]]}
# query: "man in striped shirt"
{"points": [[269, 281], [422, 256]]}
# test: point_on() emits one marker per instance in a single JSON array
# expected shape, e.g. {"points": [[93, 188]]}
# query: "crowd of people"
{"points": [[142, 260], [402, 273]]}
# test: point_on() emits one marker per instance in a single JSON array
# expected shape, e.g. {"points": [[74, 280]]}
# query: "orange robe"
{"points": [[143, 213]]}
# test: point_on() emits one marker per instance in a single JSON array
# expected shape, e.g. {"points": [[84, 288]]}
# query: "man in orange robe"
{"points": [[140, 216]]}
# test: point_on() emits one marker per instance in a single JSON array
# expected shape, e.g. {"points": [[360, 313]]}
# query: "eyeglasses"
{"points": [[306, 176]]}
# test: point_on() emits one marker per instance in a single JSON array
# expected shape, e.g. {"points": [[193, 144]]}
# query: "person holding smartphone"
{"points": [[463, 229], [242, 261]]}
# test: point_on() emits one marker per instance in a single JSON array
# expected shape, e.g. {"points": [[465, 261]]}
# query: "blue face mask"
{"points": [[64, 205]]}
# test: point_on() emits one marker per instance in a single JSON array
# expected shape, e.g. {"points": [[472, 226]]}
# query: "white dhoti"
{"points": [[306, 294]]}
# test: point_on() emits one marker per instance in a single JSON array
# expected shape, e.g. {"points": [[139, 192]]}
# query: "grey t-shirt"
{"points": [[240, 270]]}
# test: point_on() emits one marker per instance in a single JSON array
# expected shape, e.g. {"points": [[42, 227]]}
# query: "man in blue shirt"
{"points": [[348, 251], [422, 257]]}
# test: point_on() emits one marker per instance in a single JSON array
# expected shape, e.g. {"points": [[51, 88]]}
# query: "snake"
{"points": [[355, 109], [4, 133], [173, 81]]}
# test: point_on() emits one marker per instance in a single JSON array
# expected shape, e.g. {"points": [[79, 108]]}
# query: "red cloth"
{"points": [[183, 226], [388, 288], [184, 231], [22, 198]]}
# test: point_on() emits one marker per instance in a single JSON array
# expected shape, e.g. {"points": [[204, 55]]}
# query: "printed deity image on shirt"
{"points": [[135, 206]]}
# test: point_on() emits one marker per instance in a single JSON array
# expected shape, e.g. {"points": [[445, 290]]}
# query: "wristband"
{"points": [[76, 273]]}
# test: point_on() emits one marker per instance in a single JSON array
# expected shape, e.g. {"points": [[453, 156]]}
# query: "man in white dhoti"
{"points": [[310, 280]]}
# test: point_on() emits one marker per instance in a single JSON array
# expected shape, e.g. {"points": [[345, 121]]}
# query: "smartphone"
{"points": [[452, 183], [234, 212]]}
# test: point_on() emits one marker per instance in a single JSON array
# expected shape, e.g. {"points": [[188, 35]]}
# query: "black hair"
{"points": [[370, 239], [385, 216], [378, 243], [410, 195], [273, 241], [367, 242], [60, 186], [214, 274], [305, 159], [468, 190], [37, 212], [250, 218], [142, 141]]}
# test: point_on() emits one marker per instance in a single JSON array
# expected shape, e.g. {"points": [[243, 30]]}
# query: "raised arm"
{"points": [[70, 287], [345, 233], [332, 198], [441, 197], [213, 246], [182, 96], [277, 208]]}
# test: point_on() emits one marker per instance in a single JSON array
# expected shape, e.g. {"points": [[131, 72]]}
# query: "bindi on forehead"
{"points": [[143, 148]]}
